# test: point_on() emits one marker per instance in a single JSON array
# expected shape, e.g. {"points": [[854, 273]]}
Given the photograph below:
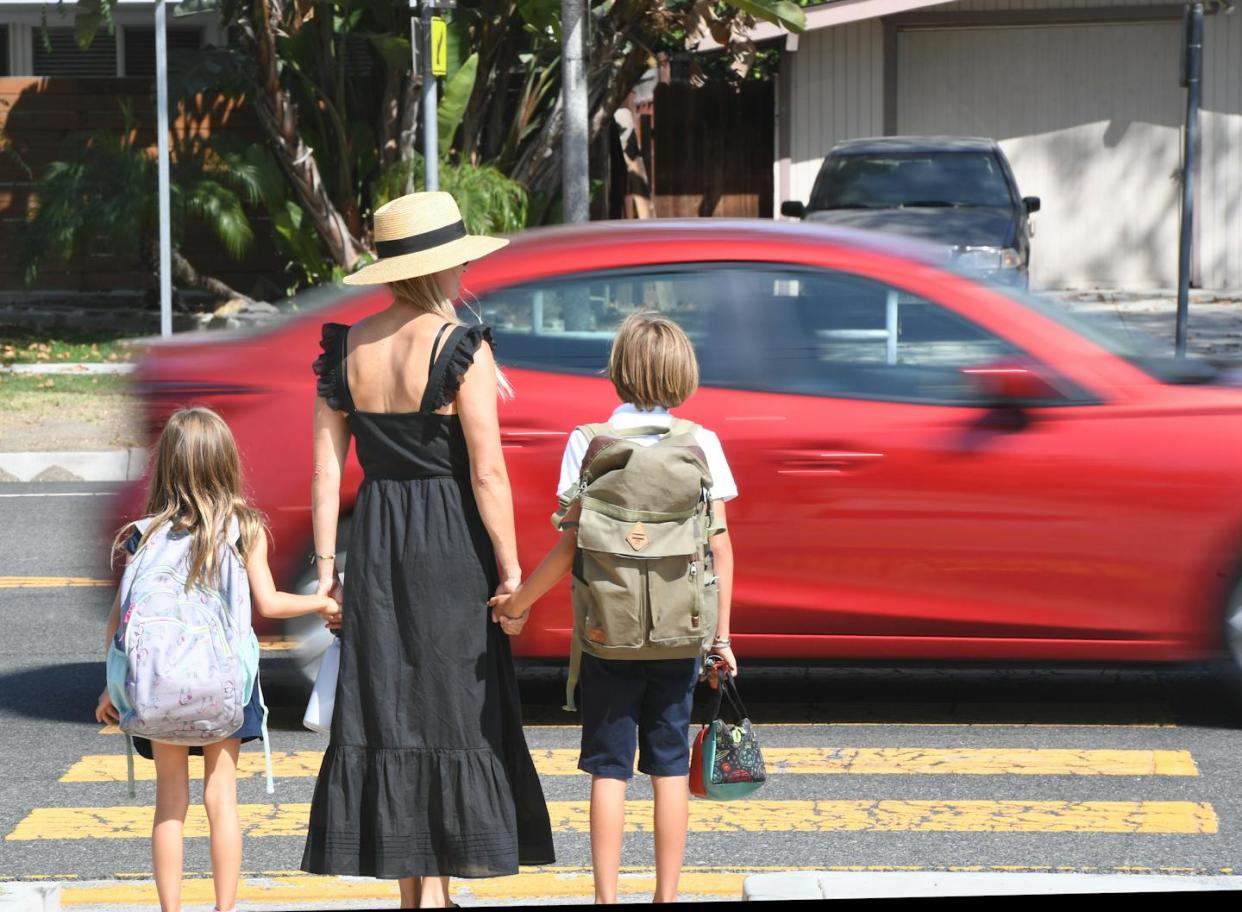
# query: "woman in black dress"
{"points": [[427, 774]]}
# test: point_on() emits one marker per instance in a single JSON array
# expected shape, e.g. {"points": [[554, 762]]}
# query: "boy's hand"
{"points": [[104, 711], [512, 626], [713, 674]]}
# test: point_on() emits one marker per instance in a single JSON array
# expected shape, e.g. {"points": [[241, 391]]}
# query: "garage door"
{"points": [[1089, 116]]}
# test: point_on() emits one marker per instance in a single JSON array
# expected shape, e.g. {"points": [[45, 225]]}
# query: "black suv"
{"points": [[955, 192]]}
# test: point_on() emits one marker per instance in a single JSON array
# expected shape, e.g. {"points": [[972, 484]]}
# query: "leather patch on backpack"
{"points": [[637, 537]]}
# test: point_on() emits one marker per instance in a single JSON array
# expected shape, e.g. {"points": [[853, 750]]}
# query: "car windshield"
{"points": [[875, 180], [1144, 351]]}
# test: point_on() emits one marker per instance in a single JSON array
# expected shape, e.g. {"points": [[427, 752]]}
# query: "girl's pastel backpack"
{"points": [[184, 664]]}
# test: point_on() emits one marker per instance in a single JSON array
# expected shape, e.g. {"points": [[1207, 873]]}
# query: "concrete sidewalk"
{"points": [[81, 465], [903, 884]]}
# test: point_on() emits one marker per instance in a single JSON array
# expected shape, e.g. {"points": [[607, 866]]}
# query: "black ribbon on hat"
{"points": [[417, 243]]}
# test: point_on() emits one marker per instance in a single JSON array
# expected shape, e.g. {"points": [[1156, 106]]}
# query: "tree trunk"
{"points": [[278, 115], [186, 276]]}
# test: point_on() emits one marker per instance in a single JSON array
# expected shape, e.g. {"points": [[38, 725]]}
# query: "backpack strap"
{"points": [[267, 743], [575, 670], [129, 762], [683, 426]]}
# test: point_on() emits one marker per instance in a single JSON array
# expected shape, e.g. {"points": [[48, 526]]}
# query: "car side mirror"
{"points": [[1013, 385], [1032, 204], [793, 209]]}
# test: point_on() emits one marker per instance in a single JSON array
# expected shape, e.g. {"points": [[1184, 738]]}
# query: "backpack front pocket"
{"points": [[610, 598], [675, 593]]}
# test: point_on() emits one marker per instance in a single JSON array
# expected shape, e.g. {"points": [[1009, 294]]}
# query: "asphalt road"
{"points": [[872, 768]]}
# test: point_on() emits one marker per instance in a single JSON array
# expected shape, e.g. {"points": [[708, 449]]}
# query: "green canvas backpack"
{"points": [[643, 580]]}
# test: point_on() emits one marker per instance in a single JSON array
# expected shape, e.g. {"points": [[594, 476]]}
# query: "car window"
{"points": [[568, 325], [884, 180], [846, 336]]}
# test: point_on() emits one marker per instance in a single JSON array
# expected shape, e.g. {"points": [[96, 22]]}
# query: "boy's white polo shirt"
{"points": [[627, 416]]}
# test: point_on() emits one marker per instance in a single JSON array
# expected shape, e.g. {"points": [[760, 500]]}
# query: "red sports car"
{"points": [[930, 467]]}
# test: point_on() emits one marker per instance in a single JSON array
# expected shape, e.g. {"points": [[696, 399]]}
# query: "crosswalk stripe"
{"points": [[807, 761], [982, 816], [305, 888], [52, 582]]}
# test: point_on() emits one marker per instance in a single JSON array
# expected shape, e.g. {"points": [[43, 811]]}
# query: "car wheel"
{"points": [[1233, 630], [308, 632]]}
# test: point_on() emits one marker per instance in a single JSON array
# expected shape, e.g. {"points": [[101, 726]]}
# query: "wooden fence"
{"points": [[713, 150], [43, 119]]}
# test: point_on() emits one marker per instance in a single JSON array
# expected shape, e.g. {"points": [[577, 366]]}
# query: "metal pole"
{"points": [[431, 141], [576, 196], [161, 101], [1194, 84]]}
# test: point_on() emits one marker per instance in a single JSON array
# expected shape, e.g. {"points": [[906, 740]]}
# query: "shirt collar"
{"points": [[627, 413]]}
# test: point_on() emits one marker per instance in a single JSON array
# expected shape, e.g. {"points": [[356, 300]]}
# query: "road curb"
{"points": [[83, 368], [82, 465], [29, 897], [910, 884]]}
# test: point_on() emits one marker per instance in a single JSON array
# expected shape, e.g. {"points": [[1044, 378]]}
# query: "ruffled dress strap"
{"points": [[454, 360], [329, 367]]}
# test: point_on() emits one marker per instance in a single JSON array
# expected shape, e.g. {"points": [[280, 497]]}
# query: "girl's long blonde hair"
{"points": [[423, 295], [196, 485]]}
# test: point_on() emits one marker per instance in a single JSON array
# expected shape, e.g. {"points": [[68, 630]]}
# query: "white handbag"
{"points": [[318, 717]]}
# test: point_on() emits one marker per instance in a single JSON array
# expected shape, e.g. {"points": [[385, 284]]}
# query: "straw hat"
{"points": [[418, 234]]}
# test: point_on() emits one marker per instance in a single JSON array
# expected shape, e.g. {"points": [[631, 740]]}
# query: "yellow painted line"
{"points": [[261, 820], [277, 644], [796, 761], [111, 767], [306, 888], [52, 582]]}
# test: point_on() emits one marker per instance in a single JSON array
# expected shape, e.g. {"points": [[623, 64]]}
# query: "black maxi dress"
{"points": [[427, 770]]}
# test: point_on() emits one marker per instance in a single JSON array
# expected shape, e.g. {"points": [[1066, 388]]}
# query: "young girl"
{"points": [[639, 705], [196, 486]]}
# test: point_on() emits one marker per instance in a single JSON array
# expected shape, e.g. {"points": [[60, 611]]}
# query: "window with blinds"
{"points": [[140, 48], [56, 53]]}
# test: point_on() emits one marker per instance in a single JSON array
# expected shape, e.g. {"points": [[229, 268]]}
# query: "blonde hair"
{"points": [[423, 295], [196, 485], [652, 362]]}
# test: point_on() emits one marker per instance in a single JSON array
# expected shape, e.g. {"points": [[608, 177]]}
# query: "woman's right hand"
{"points": [[327, 578]]}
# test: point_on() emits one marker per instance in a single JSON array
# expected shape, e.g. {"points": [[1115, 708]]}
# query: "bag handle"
{"points": [[725, 687]]}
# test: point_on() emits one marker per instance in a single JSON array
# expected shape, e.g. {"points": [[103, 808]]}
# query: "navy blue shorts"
{"points": [[639, 705]]}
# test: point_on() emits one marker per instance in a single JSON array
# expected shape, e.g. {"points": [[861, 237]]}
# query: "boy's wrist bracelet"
{"points": [[726, 643]]}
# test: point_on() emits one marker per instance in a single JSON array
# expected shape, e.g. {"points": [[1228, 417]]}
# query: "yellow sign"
{"points": [[439, 47]]}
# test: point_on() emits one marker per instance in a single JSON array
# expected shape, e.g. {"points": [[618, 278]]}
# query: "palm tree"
{"points": [[104, 193]]}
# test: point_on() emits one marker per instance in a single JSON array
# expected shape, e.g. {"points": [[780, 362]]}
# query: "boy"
{"points": [[653, 369]]}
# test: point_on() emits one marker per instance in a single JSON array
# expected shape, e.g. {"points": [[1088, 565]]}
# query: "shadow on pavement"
{"points": [[67, 692]]}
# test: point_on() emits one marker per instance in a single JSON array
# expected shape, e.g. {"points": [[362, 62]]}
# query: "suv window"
{"points": [[884, 180]]}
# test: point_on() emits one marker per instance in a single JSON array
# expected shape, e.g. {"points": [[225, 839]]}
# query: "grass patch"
{"points": [[25, 345], [22, 387]]}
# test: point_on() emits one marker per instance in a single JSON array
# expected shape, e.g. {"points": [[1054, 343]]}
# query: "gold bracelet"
{"points": [[320, 557]]}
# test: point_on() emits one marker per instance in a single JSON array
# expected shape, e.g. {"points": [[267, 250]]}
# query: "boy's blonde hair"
{"points": [[652, 363], [197, 485]]}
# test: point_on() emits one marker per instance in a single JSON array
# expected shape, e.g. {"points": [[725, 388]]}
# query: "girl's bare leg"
{"points": [[607, 831], [220, 799], [172, 800]]}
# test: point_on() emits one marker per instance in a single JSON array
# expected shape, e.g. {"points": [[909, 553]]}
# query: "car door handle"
{"points": [[827, 461], [522, 437]]}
